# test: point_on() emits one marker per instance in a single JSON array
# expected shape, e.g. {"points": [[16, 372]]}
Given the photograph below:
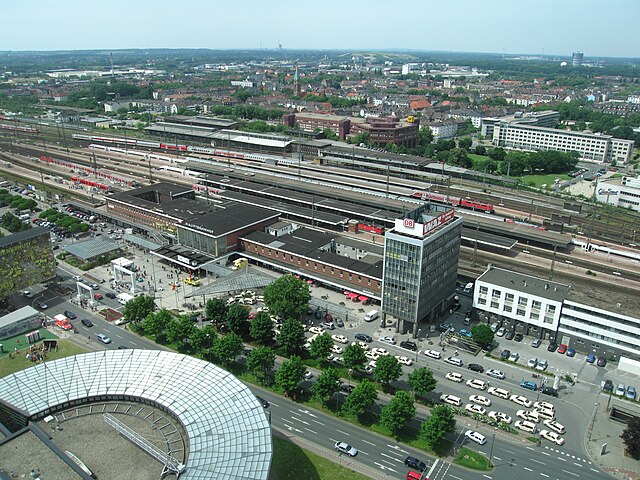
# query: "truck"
{"points": [[124, 297], [63, 322]]}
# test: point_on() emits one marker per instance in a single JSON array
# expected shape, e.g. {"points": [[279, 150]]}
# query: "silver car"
{"points": [[344, 447]]}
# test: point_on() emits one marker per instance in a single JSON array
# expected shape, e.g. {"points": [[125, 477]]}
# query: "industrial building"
{"points": [[621, 192]]}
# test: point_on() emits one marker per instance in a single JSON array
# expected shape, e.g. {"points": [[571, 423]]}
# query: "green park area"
{"points": [[291, 462]]}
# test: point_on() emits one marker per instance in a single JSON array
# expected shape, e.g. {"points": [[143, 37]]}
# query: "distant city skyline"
{"points": [[543, 27]]}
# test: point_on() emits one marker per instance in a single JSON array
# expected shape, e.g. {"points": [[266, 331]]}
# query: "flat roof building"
{"points": [[420, 265]]}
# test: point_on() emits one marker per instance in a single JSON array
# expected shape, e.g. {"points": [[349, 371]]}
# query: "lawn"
{"points": [[548, 180], [292, 462], [19, 341], [14, 363], [474, 460]]}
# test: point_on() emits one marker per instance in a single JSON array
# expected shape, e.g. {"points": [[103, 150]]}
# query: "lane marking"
{"points": [[372, 444], [594, 470], [344, 433], [537, 461], [578, 464], [309, 430], [385, 461], [563, 459], [389, 456], [497, 458], [512, 453], [457, 478], [319, 423], [571, 473], [487, 476], [528, 469], [530, 448], [433, 467], [544, 474], [546, 453]]}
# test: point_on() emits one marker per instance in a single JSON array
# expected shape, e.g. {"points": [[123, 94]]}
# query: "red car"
{"points": [[562, 348], [98, 296]]}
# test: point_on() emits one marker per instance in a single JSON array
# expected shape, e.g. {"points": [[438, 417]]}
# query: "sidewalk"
{"points": [[606, 431]]}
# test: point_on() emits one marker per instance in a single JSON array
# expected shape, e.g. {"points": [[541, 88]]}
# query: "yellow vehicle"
{"points": [[195, 281], [240, 263]]}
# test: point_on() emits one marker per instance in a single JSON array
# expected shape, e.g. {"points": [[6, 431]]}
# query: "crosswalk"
{"points": [[568, 455]]}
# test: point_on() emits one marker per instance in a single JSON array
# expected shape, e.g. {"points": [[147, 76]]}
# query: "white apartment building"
{"points": [[598, 148], [621, 192], [443, 130], [540, 308]]}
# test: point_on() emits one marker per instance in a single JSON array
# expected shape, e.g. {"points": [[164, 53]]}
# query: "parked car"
{"points": [[339, 322], [495, 373], [465, 333], [601, 362], [433, 354], [518, 337], [110, 295], [631, 392], [529, 385], [532, 362], [607, 386], [590, 358], [542, 365], [446, 327], [552, 347], [509, 335], [562, 349], [454, 361], [387, 339], [363, 337], [505, 354], [620, 389], [476, 437], [409, 345], [476, 367], [501, 331], [514, 357]]}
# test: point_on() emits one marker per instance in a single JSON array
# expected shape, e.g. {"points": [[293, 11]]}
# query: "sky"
{"points": [[549, 27]]}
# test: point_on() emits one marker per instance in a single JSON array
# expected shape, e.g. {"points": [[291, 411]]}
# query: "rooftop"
{"points": [[528, 284]]}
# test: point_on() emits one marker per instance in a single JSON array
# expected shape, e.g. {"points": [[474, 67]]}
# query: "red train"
{"points": [[455, 201], [19, 128], [91, 183], [365, 227]]}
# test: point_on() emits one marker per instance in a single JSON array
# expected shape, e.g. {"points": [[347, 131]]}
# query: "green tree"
{"points": [[481, 150], [291, 337], [398, 412], [289, 374], [179, 330], [465, 143], [327, 385], [354, 357], [497, 154], [482, 334], [136, 310], [631, 438], [260, 362], [156, 324], [321, 346], [237, 319], [388, 369], [261, 328], [215, 310], [287, 296], [436, 427], [425, 136], [197, 339], [362, 398], [210, 338], [421, 381], [227, 348]]}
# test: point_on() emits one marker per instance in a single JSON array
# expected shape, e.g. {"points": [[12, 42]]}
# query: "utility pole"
{"points": [[475, 246], [553, 261]]}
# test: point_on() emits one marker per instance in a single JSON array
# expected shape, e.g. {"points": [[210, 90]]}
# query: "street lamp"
{"points": [[493, 440], [209, 347]]}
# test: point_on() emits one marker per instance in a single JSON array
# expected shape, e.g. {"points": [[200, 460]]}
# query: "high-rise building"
{"points": [[577, 59], [420, 265]]}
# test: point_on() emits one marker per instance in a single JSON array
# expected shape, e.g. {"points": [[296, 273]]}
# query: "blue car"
{"points": [[529, 385], [464, 332], [571, 352], [591, 358]]}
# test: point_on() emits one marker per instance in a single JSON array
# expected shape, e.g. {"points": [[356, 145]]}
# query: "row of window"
{"points": [[522, 303], [593, 335]]}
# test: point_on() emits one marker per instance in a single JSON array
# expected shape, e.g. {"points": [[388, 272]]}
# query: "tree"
{"points": [[327, 385], [497, 154], [398, 412], [291, 337], [421, 381], [436, 427], [321, 346], [260, 362], [197, 339], [237, 319], [210, 337], [227, 348], [288, 296], [631, 438], [362, 398], [481, 150], [482, 334], [136, 310], [289, 374], [156, 324], [215, 310], [261, 328], [465, 143], [425, 136], [460, 157], [354, 357], [179, 330], [388, 369]]}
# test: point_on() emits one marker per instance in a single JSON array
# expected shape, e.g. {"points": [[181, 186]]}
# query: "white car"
{"points": [[473, 408], [552, 437], [525, 426], [387, 339], [317, 330], [514, 357], [404, 360], [544, 406], [500, 416], [308, 375], [344, 447], [338, 360], [454, 377], [339, 338], [453, 361], [530, 416], [433, 353], [372, 364], [77, 277], [103, 338], [553, 425], [477, 384], [372, 355], [495, 373], [532, 362], [451, 399], [363, 345], [336, 349], [521, 400], [479, 399], [501, 331], [499, 392], [380, 351], [476, 437]]}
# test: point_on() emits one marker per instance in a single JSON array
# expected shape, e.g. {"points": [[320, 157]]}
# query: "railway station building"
{"points": [[420, 265]]}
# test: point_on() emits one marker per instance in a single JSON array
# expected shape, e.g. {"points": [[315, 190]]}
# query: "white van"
{"points": [[371, 316]]}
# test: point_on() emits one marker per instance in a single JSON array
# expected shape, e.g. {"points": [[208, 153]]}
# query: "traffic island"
{"points": [[473, 460]]}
